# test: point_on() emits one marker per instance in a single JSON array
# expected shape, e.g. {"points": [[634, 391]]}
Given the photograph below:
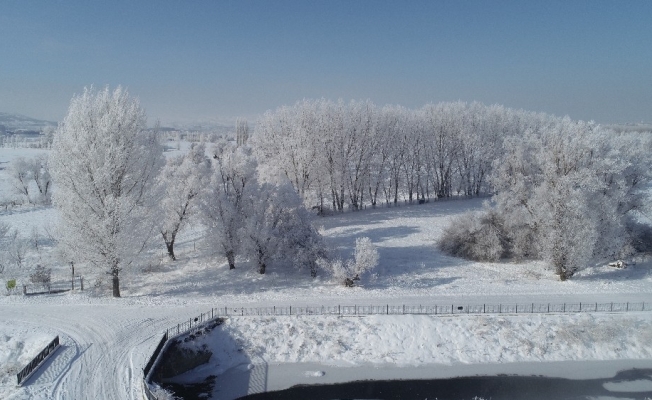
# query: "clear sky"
{"points": [[200, 60]]}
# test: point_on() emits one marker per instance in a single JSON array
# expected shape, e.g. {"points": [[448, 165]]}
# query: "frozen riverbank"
{"points": [[264, 353]]}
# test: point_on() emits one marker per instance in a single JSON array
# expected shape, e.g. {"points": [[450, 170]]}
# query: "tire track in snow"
{"points": [[104, 348]]}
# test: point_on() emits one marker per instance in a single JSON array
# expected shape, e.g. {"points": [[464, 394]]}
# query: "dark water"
{"points": [[630, 384]]}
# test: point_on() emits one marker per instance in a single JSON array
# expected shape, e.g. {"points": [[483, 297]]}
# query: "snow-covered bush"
{"points": [[162, 394], [475, 236], [42, 276], [365, 258]]}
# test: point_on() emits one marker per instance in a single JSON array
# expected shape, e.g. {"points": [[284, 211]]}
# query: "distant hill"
{"points": [[17, 122]]}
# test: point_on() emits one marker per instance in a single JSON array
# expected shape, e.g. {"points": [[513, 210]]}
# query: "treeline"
{"points": [[350, 154], [570, 193]]}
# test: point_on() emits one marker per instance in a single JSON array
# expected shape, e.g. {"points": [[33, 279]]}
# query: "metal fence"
{"points": [[150, 364], [26, 372], [442, 309], [54, 287]]}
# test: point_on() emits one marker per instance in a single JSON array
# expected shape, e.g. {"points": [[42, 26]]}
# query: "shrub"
{"points": [[11, 285], [365, 258], [41, 276], [476, 236]]}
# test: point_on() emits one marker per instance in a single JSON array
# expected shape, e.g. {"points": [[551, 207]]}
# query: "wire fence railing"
{"points": [[388, 309]]}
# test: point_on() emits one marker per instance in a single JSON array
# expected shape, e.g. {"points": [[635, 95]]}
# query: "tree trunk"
{"points": [[170, 247], [230, 257], [116, 285], [261, 268]]}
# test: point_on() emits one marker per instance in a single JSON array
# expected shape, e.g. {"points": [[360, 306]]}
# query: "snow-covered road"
{"points": [[103, 349]]}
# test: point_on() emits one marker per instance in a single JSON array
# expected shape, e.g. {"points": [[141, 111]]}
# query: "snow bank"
{"points": [[414, 340], [18, 346]]}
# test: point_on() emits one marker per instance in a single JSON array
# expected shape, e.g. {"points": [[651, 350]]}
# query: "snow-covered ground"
{"points": [[256, 345], [19, 344], [106, 342]]}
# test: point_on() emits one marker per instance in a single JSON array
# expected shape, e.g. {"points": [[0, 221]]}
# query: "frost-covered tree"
{"points": [[29, 173], [40, 174], [17, 249], [563, 193], [4, 248], [104, 162], [180, 183], [278, 227], [223, 202], [20, 177]]}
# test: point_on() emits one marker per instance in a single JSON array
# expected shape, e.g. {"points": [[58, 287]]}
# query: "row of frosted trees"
{"points": [[358, 153]]}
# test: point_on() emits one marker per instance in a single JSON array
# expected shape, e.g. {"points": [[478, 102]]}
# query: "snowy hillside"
{"points": [[13, 122]]}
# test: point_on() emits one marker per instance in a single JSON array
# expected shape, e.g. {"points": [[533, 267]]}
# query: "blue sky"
{"points": [[200, 60]]}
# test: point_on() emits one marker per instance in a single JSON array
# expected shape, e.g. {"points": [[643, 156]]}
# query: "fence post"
{"points": [[532, 308], [81, 283], [484, 308], [627, 309], [580, 306], [388, 309], [290, 310], [564, 307]]}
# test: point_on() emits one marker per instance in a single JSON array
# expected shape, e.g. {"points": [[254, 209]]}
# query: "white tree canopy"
{"points": [[104, 162]]}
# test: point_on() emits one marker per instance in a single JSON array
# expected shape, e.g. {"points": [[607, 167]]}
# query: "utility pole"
{"points": [[72, 266]]}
